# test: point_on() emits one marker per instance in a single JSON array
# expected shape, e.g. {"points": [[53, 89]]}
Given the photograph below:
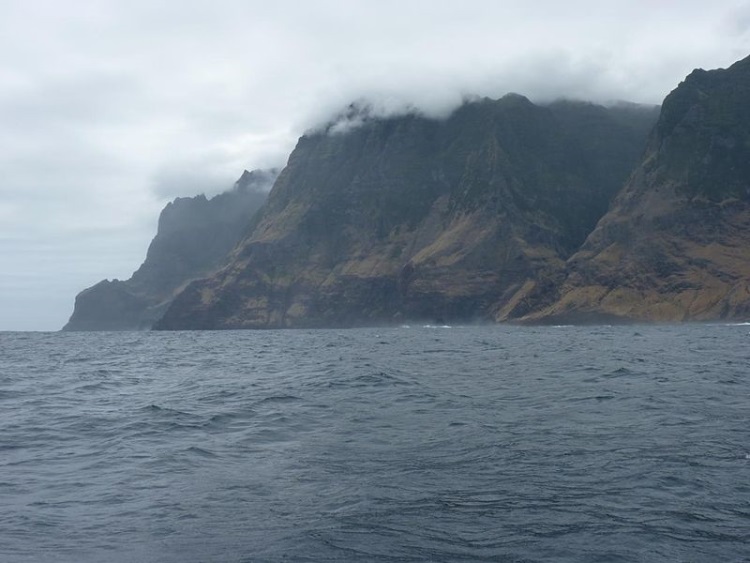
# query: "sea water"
{"points": [[489, 443]]}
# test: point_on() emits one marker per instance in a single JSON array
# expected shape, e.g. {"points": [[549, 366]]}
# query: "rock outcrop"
{"points": [[195, 236], [675, 245], [409, 218]]}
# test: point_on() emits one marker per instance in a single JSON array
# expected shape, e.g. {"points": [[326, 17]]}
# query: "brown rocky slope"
{"points": [[675, 245]]}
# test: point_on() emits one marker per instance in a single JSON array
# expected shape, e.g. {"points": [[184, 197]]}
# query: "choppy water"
{"points": [[409, 444]]}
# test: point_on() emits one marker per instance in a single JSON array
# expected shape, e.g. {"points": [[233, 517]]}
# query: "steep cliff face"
{"points": [[194, 237], [676, 243], [413, 218]]}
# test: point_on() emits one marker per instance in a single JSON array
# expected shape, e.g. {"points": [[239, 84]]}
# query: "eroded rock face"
{"points": [[675, 245], [417, 219], [194, 237]]}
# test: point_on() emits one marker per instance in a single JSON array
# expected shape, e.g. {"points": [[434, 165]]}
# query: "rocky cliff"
{"points": [[194, 237], [410, 218], [675, 245]]}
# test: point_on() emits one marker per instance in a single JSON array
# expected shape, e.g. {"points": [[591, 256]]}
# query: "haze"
{"points": [[110, 109]]}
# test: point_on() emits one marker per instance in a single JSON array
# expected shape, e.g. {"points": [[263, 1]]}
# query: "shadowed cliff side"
{"points": [[413, 218], [675, 245], [194, 237]]}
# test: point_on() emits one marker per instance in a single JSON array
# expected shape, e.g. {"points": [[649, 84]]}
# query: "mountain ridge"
{"points": [[412, 217], [504, 211]]}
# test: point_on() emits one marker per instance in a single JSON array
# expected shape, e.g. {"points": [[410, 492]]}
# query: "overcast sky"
{"points": [[109, 109]]}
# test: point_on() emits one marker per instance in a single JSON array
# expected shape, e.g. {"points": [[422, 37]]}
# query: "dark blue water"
{"points": [[404, 444]]}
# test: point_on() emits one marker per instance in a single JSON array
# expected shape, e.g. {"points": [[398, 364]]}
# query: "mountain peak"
{"points": [[260, 180]]}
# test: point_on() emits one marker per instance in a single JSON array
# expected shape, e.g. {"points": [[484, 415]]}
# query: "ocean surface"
{"points": [[455, 444]]}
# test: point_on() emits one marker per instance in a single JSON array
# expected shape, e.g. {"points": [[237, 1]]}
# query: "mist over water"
{"points": [[404, 444]]}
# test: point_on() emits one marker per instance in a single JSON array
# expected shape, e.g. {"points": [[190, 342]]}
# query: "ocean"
{"points": [[416, 443]]}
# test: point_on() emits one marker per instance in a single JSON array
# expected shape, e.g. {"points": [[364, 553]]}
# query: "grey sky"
{"points": [[108, 108]]}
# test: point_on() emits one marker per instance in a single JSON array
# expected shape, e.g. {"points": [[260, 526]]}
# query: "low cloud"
{"points": [[737, 21]]}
